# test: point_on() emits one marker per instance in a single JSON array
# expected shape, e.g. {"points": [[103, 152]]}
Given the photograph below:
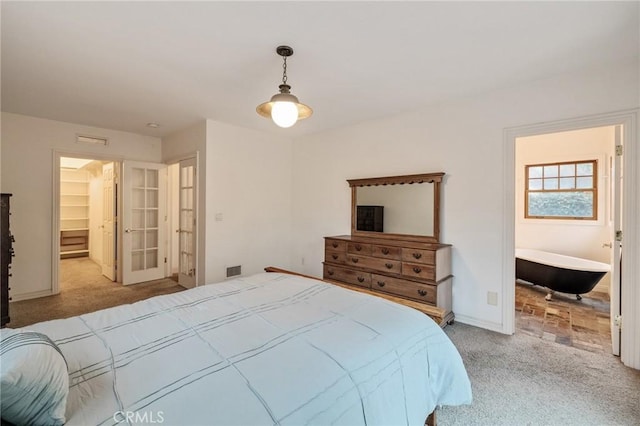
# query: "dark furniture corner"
{"points": [[6, 255]]}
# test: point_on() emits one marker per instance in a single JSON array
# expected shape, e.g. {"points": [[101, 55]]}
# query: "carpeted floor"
{"points": [[525, 380], [83, 289]]}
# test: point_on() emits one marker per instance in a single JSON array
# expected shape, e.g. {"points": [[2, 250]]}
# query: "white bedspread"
{"points": [[266, 349]]}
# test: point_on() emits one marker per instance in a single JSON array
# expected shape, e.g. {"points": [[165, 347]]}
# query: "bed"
{"points": [[270, 348]]}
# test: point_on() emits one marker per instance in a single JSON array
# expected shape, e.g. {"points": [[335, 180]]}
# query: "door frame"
{"points": [[630, 336], [55, 211]]}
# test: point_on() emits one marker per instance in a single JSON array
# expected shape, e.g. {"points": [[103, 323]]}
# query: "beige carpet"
{"points": [[524, 380], [84, 289]]}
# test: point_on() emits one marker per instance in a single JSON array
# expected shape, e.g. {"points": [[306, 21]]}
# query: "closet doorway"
{"points": [[87, 220]]}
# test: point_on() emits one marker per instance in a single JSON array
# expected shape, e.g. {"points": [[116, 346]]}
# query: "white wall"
{"points": [[247, 186], [28, 144], [463, 138], [581, 238], [249, 189]]}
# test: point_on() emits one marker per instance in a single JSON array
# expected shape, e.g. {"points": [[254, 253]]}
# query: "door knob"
{"points": [[610, 245], [127, 230]]}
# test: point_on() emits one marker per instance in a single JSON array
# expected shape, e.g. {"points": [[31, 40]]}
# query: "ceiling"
{"points": [[121, 65]]}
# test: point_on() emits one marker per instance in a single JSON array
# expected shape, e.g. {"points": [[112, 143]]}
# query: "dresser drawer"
{"points": [[422, 292], [359, 278], [419, 270], [337, 245], [386, 252], [335, 256], [359, 248], [385, 265], [419, 256]]}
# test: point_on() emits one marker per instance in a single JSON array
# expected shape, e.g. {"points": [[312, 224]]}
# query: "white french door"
{"points": [[187, 230], [144, 187], [108, 221], [616, 252]]}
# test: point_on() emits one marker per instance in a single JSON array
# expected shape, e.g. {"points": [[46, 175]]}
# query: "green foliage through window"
{"points": [[561, 190]]}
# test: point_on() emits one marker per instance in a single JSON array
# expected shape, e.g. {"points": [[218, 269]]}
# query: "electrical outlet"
{"points": [[492, 298]]}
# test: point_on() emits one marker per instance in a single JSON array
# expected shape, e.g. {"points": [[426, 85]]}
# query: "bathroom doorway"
{"points": [[568, 202]]}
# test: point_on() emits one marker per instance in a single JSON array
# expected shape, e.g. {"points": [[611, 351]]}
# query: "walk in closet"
{"points": [[74, 212]]}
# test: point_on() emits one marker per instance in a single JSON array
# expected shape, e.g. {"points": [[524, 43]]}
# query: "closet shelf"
{"points": [[74, 213]]}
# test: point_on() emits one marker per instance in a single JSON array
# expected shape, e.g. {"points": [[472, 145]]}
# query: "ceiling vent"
{"points": [[91, 140]]}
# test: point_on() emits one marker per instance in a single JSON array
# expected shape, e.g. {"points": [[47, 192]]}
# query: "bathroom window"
{"points": [[562, 190]]}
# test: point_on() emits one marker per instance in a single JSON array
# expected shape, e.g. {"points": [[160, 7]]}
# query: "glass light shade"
{"points": [[287, 102], [284, 114]]}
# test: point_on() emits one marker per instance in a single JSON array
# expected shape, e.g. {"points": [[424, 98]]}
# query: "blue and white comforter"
{"points": [[266, 349]]}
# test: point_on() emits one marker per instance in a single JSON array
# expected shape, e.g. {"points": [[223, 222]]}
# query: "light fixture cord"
{"points": [[284, 70]]}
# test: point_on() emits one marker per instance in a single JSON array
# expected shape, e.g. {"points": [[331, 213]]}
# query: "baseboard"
{"points": [[488, 325], [32, 295]]}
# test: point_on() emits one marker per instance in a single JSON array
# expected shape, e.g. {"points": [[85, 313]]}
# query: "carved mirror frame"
{"points": [[435, 178]]}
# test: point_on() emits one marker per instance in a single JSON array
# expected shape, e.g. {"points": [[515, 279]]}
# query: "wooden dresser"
{"points": [[417, 274]]}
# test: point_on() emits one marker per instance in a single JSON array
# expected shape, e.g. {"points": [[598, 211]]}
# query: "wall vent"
{"points": [[91, 140], [232, 271]]}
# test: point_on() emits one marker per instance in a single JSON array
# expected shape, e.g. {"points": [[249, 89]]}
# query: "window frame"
{"points": [[593, 190]]}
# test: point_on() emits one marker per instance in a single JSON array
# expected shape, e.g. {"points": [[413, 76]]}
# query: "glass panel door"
{"points": [[187, 230], [143, 221]]}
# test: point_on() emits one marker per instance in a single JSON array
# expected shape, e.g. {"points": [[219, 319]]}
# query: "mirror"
{"points": [[396, 207]]}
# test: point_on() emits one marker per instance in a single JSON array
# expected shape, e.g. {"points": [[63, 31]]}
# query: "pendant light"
{"points": [[284, 108]]}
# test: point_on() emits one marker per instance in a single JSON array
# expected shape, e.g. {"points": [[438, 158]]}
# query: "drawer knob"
{"points": [[329, 271], [334, 244], [422, 293], [358, 247], [381, 283], [389, 265], [355, 259], [417, 270], [385, 251], [417, 255], [360, 279], [335, 256]]}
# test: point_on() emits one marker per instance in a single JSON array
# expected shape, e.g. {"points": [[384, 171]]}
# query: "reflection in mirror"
{"points": [[396, 209]]}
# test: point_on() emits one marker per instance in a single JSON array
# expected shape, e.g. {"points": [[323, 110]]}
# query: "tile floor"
{"points": [[582, 323]]}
